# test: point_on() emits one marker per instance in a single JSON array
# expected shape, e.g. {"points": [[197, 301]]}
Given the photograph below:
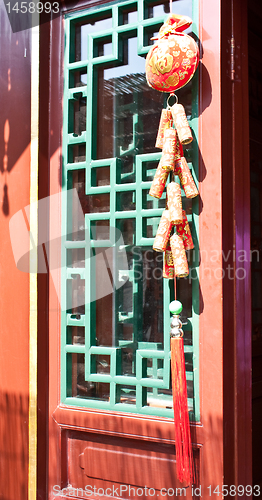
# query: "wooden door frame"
{"points": [[224, 433], [236, 235]]}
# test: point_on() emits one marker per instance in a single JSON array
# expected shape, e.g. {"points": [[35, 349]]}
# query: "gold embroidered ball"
{"points": [[172, 61]]}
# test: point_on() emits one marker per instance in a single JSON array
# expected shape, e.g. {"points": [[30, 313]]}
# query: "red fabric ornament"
{"points": [[183, 230], [180, 120], [179, 256], [170, 64], [172, 61], [167, 161], [159, 182], [165, 122], [184, 453], [163, 232], [174, 203], [168, 264], [185, 177]]}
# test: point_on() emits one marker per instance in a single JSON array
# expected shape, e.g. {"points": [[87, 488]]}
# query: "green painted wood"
{"points": [[157, 376]]}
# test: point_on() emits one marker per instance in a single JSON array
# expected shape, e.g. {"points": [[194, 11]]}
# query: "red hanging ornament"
{"points": [[180, 120], [185, 177], [172, 61], [183, 230], [170, 64], [159, 182], [179, 256], [168, 264], [167, 161], [174, 201], [183, 172], [163, 232], [166, 121]]}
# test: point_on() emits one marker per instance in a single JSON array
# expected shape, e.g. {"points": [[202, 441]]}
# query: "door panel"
{"points": [[108, 461]]}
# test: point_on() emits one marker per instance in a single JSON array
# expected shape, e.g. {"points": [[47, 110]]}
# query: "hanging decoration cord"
{"points": [[184, 452], [173, 236]]}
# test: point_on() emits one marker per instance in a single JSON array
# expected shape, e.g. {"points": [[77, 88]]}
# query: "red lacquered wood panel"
{"points": [[105, 461], [210, 243], [15, 136], [14, 193], [236, 244], [77, 436]]}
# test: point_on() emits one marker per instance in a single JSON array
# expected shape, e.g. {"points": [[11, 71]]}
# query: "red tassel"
{"points": [[184, 455]]}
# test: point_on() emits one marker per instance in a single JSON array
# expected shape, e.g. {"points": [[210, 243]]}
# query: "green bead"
{"points": [[175, 307]]}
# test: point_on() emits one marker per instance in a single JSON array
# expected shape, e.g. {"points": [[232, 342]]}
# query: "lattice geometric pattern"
{"points": [[123, 370]]}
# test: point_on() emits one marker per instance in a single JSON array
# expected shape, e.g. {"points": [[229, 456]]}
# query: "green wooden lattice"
{"points": [[157, 376]]}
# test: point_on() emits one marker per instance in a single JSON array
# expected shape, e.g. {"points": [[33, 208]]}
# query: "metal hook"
{"points": [[167, 102]]}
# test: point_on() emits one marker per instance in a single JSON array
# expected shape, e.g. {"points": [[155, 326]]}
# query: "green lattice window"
{"points": [[115, 318]]}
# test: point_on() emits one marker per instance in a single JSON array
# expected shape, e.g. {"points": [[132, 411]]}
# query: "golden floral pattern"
{"points": [[180, 120], [174, 202], [159, 182], [190, 54], [179, 256], [172, 61], [172, 80], [179, 150], [165, 122], [168, 264], [183, 230], [185, 177], [163, 233], [167, 161]]}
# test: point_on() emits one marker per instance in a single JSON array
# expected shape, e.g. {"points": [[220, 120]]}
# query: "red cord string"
{"points": [[184, 452]]}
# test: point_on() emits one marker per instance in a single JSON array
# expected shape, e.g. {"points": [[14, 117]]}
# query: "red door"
{"points": [[96, 448]]}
